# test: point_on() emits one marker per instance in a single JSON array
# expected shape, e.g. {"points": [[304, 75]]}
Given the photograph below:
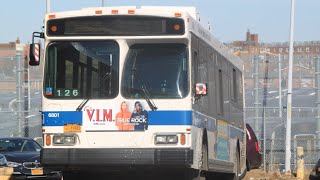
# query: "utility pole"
{"points": [[317, 74], [289, 95], [256, 93], [102, 3]]}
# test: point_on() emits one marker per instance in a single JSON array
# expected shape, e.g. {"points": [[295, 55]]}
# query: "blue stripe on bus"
{"points": [[202, 121], [170, 117], [60, 118]]}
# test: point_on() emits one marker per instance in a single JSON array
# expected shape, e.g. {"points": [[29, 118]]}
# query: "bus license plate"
{"points": [[36, 171], [72, 128]]}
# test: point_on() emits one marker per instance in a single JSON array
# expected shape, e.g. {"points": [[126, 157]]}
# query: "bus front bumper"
{"points": [[108, 157]]}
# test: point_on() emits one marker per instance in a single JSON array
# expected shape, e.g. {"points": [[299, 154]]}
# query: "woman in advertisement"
{"points": [[123, 118]]}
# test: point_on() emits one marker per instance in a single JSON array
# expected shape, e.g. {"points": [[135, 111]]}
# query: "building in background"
{"points": [[8, 66], [303, 61], [8, 61], [266, 107]]}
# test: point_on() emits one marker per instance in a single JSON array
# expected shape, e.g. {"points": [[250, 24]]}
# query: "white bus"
{"points": [[140, 86]]}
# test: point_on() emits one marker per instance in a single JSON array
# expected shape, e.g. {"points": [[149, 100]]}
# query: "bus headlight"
{"points": [[61, 139], [58, 139], [161, 139], [172, 139], [166, 139]]}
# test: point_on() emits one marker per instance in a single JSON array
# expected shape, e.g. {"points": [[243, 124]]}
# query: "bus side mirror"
{"points": [[35, 49], [201, 89], [34, 54]]}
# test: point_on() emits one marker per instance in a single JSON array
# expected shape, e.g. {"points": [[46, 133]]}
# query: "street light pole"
{"points": [[289, 94], [48, 6]]}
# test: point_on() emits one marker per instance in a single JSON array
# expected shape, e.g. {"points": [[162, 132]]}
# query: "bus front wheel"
{"points": [[199, 174]]}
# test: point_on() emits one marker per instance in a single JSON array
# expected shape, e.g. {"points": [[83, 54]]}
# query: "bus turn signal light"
{"points": [[182, 139], [48, 140]]}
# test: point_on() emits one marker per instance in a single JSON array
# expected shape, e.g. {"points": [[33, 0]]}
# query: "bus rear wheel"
{"points": [[235, 176]]}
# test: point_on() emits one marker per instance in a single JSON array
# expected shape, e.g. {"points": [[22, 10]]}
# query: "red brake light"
{"points": [[257, 146]]}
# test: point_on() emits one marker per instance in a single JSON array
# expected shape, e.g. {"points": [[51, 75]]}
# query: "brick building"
{"points": [[268, 56], [8, 65]]}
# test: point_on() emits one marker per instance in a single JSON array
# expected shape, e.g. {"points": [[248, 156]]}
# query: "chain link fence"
{"points": [[269, 127], [25, 123], [20, 96]]}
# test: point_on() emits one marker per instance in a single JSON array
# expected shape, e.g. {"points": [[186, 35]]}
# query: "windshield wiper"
{"points": [[105, 77], [84, 102], [146, 93]]}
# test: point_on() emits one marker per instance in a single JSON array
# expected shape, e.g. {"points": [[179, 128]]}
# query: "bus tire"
{"points": [[194, 174], [71, 176]]}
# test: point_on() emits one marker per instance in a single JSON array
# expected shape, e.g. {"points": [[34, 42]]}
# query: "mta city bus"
{"points": [[140, 86]]}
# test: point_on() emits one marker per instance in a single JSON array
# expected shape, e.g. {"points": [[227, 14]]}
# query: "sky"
{"points": [[229, 19]]}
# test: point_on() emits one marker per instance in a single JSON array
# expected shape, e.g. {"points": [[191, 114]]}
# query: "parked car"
{"points": [[315, 173], [39, 140], [3, 161], [23, 155], [254, 157]]}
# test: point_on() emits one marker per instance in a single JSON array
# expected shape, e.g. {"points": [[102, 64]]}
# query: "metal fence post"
{"points": [[265, 93], [26, 79], [19, 93], [256, 93], [317, 81], [300, 163], [280, 86]]}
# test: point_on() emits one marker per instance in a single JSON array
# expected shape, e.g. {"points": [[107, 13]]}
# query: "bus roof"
{"points": [[201, 29], [124, 10]]}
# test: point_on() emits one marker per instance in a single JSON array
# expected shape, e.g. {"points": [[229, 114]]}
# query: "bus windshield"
{"points": [[82, 69], [161, 69]]}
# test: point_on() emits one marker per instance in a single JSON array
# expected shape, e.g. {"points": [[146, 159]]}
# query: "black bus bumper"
{"points": [[111, 157]]}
